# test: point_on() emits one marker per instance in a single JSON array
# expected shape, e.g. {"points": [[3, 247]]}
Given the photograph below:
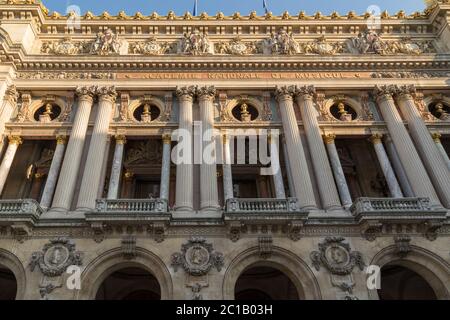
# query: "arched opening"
{"points": [[8, 284], [264, 283], [129, 284], [401, 283]]}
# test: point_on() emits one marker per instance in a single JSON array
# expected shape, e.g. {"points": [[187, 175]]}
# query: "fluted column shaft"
{"points": [[165, 167], [65, 188], [386, 167], [288, 169], [275, 164], [297, 160], [417, 175], [185, 171], [95, 158], [327, 188], [208, 168], [116, 168], [338, 172], [437, 141], [8, 158], [226, 167], [398, 167], [437, 169], [53, 173]]}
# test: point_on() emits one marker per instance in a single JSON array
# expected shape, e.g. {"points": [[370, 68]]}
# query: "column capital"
{"points": [[376, 138], [167, 138], [206, 92], [120, 139], [86, 92], [107, 93], [436, 137], [15, 140], [385, 92], [329, 138], [11, 94], [284, 93], [406, 92], [305, 92], [61, 139], [187, 92], [128, 175]]}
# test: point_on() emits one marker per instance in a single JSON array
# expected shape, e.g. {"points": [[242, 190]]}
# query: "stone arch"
{"points": [[113, 260], [134, 104], [281, 259], [432, 268], [11, 262]]}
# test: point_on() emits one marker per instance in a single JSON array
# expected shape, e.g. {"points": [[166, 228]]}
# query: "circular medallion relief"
{"points": [[56, 256]]}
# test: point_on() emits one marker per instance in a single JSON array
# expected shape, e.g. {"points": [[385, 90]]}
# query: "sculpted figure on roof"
{"points": [[106, 43]]}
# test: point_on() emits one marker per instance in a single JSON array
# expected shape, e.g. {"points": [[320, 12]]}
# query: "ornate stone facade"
{"points": [[89, 116]]}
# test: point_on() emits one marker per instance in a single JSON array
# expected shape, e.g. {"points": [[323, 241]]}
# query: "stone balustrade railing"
{"points": [[18, 207], [261, 205], [363, 205], [131, 205]]}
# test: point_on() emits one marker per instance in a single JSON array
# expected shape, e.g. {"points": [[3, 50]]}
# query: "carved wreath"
{"points": [[336, 256], [55, 257], [197, 257]]}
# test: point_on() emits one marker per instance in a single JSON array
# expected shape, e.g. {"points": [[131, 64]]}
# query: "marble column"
{"points": [[327, 187], [385, 164], [209, 197], [398, 167], [277, 175], [67, 180], [184, 196], [116, 168], [431, 157], [297, 159], [338, 172], [437, 141], [93, 167], [53, 172], [165, 166], [417, 175], [14, 142], [226, 168]]}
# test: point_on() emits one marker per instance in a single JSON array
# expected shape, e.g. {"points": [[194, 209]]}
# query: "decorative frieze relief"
{"points": [[152, 48], [238, 47]]}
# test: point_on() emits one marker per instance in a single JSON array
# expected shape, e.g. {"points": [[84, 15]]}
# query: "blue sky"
{"points": [[230, 6]]}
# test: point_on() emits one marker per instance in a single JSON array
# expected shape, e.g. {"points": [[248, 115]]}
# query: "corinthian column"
{"points": [[93, 167], [338, 172], [436, 167], [437, 141], [116, 168], [185, 182], [386, 167], [321, 165], [208, 168], [71, 164], [8, 106], [165, 167], [417, 175], [14, 142], [53, 173], [226, 167], [297, 160]]}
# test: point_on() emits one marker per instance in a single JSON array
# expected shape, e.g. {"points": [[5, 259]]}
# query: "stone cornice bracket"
{"points": [[384, 92], [11, 94], [206, 92], [305, 92], [186, 93], [108, 93], [284, 92], [86, 93]]}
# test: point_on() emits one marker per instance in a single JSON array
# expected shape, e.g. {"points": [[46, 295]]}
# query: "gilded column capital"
{"points": [[107, 93], [86, 93], [406, 92], [206, 92], [305, 92], [384, 92], [225, 138], [376, 138], [186, 93], [15, 140], [284, 93], [61, 139], [167, 138], [329, 138], [436, 137], [11, 94], [120, 139]]}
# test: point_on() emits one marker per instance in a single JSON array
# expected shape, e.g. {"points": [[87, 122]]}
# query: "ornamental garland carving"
{"points": [[197, 257], [238, 47], [336, 256], [152, 48], [55, 257]]}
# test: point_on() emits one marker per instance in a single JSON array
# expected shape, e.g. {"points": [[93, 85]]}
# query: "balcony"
{"points": [[374, 213], [20, 215]]}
